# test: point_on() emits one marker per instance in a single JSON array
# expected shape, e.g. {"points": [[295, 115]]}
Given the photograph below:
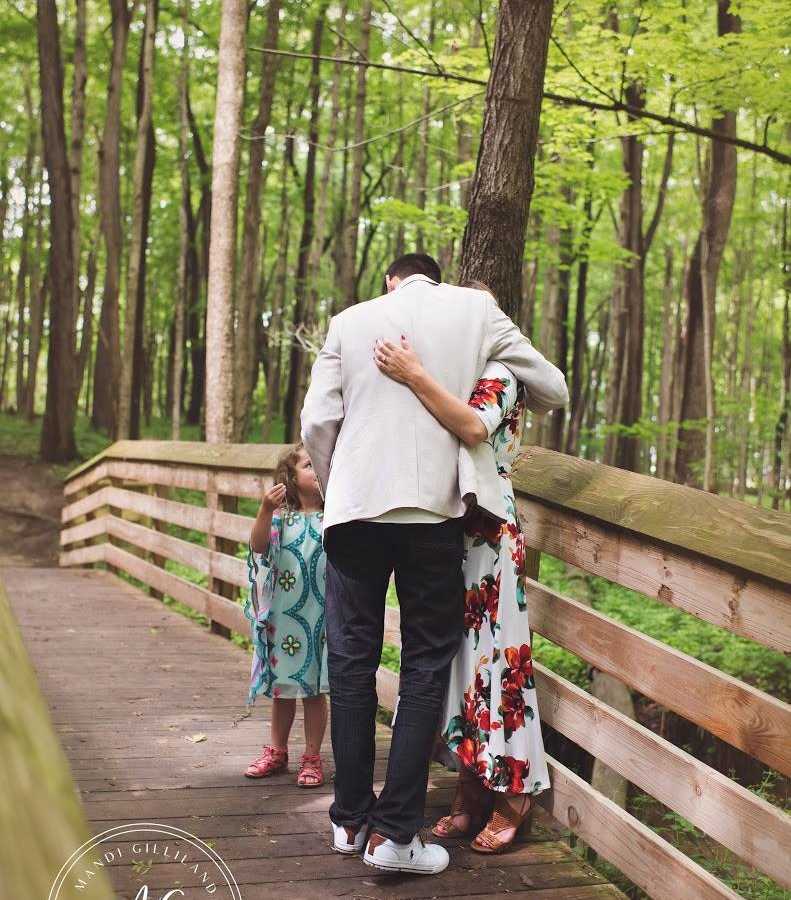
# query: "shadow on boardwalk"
{"points": [[148, 707]]}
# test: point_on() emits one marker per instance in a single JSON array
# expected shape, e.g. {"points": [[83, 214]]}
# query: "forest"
{"points": [[189, 190]]}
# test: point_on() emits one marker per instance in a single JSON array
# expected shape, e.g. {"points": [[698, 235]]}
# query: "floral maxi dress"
{"points": [[491, 713], [285, 607]]}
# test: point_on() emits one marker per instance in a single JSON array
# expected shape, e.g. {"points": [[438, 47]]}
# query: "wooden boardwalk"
{"points": [[147, 706]]}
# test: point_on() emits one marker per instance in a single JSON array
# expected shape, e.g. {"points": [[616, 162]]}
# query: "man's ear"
{"points": [[389, 284]]}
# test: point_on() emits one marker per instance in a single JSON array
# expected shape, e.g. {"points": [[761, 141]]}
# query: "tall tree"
{"points": [[698, 402], [185, 209], [141, 186], [296, 374], [108, 351], [57, 432], [78, 87], [352, 225], [222, 247], [494, 239], [245, 354]]}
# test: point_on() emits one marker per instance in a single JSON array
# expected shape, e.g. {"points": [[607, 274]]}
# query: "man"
{"points": [[390, 477]]}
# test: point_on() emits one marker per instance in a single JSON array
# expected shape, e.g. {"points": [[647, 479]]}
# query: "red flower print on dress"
{"points": [[512, 711], [481, 601], [488, 391], [520, 666], [510, 773]]}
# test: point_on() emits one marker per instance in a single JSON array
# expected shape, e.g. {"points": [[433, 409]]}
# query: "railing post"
{"points": [[157, 490], [220, 503]]}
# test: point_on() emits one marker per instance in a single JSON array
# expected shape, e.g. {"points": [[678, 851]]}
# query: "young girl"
{"points": [[286, 609]]}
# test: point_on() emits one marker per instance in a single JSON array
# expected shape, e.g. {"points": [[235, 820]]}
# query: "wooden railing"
{"points": [[715, 558], [41, 822]]}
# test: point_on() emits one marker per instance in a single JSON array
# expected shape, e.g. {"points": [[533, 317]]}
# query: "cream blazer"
{"points": [[373, 444]]}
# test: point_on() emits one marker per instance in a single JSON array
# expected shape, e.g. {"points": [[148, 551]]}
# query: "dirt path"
{"points": [[31, 496]]}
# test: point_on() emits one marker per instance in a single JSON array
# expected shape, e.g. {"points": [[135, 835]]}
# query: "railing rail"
{"points": [[725, 562]]}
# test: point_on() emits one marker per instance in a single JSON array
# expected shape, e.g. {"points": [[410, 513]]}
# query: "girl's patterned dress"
{"points": [[286, 610], [491, 714]]}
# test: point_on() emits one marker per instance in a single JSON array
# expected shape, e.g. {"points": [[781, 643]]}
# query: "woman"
{"points": [[491, 715]]}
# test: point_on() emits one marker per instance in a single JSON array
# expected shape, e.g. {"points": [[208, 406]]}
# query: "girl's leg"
{"points": [[283, 711], [315, 710], [274, 756]]}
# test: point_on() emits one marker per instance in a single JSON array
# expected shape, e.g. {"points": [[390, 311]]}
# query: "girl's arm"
{"points": [[262, 527], [402, 364]]}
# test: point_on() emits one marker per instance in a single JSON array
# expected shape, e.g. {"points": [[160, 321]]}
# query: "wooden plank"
{"points": [[253, 457], [207, 562], [387, 683], [85, 505], [88, 479], [40, 817], [736, 712], [198, 598], [745, 604], [85, 531], [392, 626], [755, 539], [228, 525], [738, 819], [238, 484], [83, 556], [653, 864]]}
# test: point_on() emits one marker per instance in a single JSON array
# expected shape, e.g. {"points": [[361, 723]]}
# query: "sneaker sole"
{"points": [[345, 852], [410, 870]]}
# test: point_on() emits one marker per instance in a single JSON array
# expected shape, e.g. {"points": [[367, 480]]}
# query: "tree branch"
{"points": [[614, 106]]}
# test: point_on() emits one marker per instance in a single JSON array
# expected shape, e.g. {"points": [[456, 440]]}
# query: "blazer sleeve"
{"points": [[544, 382], [322, 412]]}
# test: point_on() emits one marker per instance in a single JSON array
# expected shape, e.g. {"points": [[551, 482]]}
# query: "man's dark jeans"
{"points": [[426, 559]]}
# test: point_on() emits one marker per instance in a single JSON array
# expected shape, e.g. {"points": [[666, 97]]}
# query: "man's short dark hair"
{"points": [[415, 264]]}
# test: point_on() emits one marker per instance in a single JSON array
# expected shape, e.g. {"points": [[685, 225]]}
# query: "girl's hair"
{"points": [[286, 472], [480, 286]]}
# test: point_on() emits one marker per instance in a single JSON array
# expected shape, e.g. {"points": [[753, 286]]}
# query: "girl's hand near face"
{"points": [[273, 498], [400, 363]]}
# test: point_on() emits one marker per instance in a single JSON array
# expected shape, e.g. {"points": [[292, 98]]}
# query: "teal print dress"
{"points": [[286, 610]]}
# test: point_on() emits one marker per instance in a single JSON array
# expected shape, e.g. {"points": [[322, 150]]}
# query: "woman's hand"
{"points": [[273, 498], [399, 363]]}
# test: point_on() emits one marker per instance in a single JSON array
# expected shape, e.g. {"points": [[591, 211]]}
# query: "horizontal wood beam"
{"points": [[750, 606], [653, 864], [252, 457], [735, 817], [213, 606], [222, 524], [748, 537], [738, 713]]}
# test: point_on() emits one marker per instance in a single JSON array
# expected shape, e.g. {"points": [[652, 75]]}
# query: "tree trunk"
{"points": [[135, 283], [86, 337], [24, 256], [625, 383], [421, 169], [580, 335], [782, 448], [222, 248], [106, 379], [352, 224], [245, 353], [57, 431], [670, 339], [184, 236], [78, 85], [699, 403], [494, 239], [297, 354], [38, 296]]}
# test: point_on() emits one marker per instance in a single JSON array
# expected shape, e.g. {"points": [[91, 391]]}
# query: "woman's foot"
{"points": [[508, 816], [270, 762], [467, 811], [311, 773]]}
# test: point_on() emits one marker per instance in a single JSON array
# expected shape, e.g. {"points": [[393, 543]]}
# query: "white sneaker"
{"points": [[415, 857], [345, 841]]}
